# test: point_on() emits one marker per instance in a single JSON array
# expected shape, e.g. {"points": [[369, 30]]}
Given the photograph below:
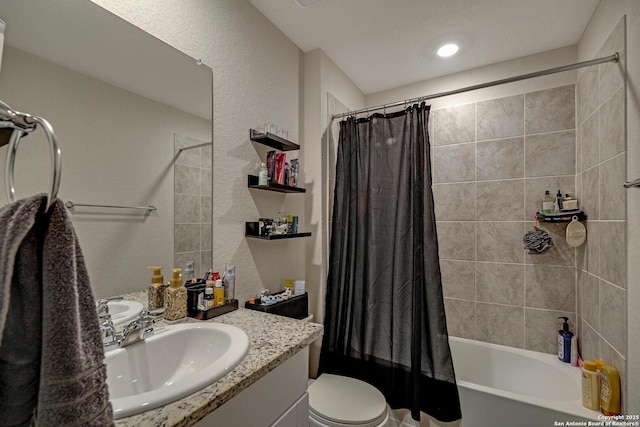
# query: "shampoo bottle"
{"points": [[155, 292], [609, 390], [175, 298], [564, 341], [590, 386]]}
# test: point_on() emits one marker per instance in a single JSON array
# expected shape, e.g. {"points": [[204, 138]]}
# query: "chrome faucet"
{"points": [[138, 330]]}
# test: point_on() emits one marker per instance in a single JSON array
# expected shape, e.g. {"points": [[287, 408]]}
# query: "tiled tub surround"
{"points": [[274, 339], [601, 160], [492, 162], [192, 205]]}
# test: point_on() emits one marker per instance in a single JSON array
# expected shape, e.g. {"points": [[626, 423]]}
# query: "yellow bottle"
{"points": [[218, 293], [590, 386], [155, 292], [609, 390], [175, 298]]}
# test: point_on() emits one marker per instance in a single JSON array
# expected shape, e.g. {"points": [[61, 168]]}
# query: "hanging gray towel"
{"points": [[52, 370]]}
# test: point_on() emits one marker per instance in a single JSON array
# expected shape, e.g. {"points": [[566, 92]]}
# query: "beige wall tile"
{"points": [[187, 209], [500, 118], [206, 207], [589, 142], [613, 260], [541, 333], [500, 283], [458, 279], [560, 254], [589, 292], [535, 188], [612, 193], [186, 238], [206, 157], [455, 202], [454, 125], [550, 110], [612, 74], [500, 324], [206, 182], [550, 154], [587, 93], [461, 318], [455, 163], [500, 242], [590, 200], [588, 342], [500, 200], [550, 287], [613, 316], [456, 240], [205, 237], [612, 125], [187, 180], [500, 159]]}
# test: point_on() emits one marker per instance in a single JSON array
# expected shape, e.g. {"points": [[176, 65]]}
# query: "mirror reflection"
{"points": [[122, 104]]}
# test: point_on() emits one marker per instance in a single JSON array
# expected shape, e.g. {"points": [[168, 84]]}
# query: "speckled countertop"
{"points": [[274, 339]]}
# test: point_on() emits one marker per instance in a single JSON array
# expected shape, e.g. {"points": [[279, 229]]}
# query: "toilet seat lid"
{"points": [[346, 400]]}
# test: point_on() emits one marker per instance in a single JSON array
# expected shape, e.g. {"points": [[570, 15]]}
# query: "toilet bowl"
{"points": [[337, 401]]}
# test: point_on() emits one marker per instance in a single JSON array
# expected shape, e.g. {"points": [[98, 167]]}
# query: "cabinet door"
{"points": [[297, 415]]}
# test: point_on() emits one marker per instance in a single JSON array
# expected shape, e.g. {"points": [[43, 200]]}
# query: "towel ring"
{"points": [[56, 164]]}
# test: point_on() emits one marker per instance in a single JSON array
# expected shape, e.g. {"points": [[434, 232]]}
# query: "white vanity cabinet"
{"points": [[278, 399]]}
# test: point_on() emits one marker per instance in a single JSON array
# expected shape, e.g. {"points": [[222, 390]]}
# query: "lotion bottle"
{"points": [[590, 386], [564, 341], [218, 293], [175, 298], [155, 292], [609, 390]]}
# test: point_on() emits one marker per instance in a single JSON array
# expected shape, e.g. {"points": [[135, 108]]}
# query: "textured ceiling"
{"points": [[384, 44]]}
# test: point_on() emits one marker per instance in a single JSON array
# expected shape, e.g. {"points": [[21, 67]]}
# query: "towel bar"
{"points": [[71, 204]]}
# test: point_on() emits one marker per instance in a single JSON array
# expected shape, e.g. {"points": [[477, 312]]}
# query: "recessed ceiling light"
{"points": [[448, 49]]}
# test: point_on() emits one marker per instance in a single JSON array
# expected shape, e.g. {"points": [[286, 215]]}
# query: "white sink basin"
{"points": [[123, 311], [174, 362]]}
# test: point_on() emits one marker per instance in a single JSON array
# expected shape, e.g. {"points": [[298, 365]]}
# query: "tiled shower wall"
{"points": [[192, 205], [601, 263], [492, 162]]}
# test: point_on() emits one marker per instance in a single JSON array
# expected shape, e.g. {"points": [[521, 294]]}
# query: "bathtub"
{"points": [[505, 386]]}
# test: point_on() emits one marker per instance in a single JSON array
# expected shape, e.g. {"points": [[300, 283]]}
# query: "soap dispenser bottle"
{"points": [[175, 298], [155, 292], [564, 341]]}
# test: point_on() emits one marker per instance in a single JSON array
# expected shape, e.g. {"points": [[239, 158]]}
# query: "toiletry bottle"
{"points": [[564, 341], [559, 200], [547, 203], [187, 273], [609, 390], [209, 301], [574, 351], [263, 175], [218, 294], [230, 283], [175, 297], [590, 386], [155, 292]]}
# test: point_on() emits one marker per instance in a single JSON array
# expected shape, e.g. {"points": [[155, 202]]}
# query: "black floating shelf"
{"points": [[279, 236], [253, 183], [561, 217], [273, 141]]}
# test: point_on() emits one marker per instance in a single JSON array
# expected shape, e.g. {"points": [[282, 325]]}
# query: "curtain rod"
{"points": [[613, 58]]}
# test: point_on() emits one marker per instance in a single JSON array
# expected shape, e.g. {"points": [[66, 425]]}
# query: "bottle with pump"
{"points": [[187, 273], [564, 341], [559, 200], [609, 390], [230, 284], [175, 297], [155, 292]]}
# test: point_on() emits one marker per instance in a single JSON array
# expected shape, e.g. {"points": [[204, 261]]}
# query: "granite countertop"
{"points": [[273, 338]]}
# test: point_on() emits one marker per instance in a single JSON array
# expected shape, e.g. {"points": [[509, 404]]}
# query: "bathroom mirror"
{"points": [[122, 103]]}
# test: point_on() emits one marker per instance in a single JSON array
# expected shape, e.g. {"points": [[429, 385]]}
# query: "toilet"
{"points": [[338, 401]]}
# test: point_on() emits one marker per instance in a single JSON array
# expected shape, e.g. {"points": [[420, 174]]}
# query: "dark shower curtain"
{"points": [[384, 313]]}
